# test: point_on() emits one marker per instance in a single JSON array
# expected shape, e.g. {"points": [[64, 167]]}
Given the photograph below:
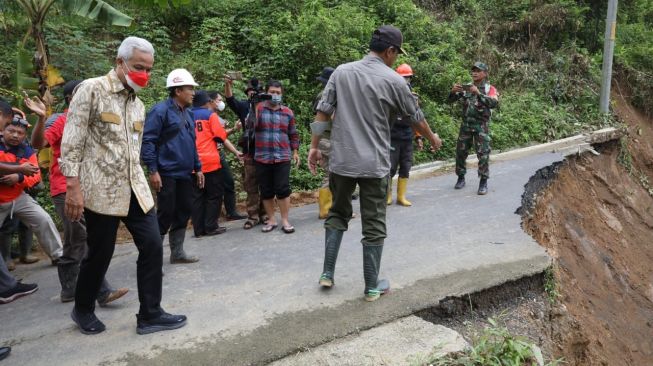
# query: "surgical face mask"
{"points": [[276, 99], [136, 80], [220, 105]]}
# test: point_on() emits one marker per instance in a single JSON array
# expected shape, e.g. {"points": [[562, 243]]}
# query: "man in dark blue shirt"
{"points": [[171, 158]]}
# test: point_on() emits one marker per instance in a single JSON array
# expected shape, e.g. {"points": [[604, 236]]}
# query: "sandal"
{"points": [[268, 228], [250, 223], [288, 229]]}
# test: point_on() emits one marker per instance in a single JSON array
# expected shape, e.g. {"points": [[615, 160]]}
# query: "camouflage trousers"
{"points": [[250, 185], [479, 136], [325, 146]]}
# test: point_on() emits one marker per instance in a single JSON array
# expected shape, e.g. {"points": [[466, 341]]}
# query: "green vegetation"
{"points": [[551, 285], [494, 346], [544, 55]]}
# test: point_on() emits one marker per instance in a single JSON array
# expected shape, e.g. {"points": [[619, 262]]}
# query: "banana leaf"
{"points": [[25, 79], [97, 10]]}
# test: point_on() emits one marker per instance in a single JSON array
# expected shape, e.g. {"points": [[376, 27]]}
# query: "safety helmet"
{"points": [[405, 70], [180, 77]]}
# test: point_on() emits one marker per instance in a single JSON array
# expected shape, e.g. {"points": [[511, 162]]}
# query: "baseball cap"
{"points": [[390, 35], [201, 97], [480, 65], [325, 75]]}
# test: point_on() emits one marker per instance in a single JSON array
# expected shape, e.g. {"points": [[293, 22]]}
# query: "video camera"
{"points": [[259, 93]]}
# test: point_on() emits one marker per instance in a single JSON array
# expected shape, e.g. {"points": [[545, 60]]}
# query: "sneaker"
{"points": [[87, 323], [4, 352], [460, 183], [20, 290], [184, 260], [219, 230], [113, 296], [29, 259], [164, 322], [236, 216]]}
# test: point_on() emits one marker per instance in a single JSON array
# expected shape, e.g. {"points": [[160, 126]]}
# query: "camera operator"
{"points": [[242, 108], [478, 100]]}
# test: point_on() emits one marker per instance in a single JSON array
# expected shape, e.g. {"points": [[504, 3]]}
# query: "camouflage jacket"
{"points": [[477, 109], [101, 145]]}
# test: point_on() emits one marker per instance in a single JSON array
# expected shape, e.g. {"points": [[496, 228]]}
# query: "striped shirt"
{"points": [[276, 134]]}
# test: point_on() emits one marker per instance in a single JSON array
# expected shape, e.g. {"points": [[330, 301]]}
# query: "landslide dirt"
{"points": [[596, 220]]}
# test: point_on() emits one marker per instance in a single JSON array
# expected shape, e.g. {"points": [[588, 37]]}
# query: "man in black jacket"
{"points": [[255, 211]]}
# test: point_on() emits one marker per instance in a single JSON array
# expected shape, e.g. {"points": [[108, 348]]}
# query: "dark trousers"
{"points": [[101, 234], [74, 233], [401, 157], [229, 186], [174, 203], [207, 203], [373, 206]]}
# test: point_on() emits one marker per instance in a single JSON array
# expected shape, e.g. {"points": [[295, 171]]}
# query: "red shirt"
{"points": [[53, 136], [207, 130]]}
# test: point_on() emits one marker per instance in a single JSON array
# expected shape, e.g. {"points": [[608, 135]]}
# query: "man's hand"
{"points": [[314, 158], [28, 169], [240, 156], [9, 180], [420, 143], [436, 142], [36, 105], [238, 125], [200, 180], [296, 159], [457, 88], [474, 90], [228, 87], [74, 207], [155, 181]]}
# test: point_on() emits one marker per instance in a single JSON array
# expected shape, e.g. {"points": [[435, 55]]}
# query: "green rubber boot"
{"points": [[332, 240], [374, 288]]}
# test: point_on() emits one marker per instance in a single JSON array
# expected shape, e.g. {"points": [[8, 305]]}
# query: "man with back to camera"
{"points": [[100, 157], [360, 148]]}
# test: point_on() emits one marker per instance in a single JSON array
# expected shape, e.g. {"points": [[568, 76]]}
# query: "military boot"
{"points": [[389, 192], [332, 240], [402, 184], [68, 273], [325, 199], [460, 183], [482, 186], [177, 253], [374, 288]]}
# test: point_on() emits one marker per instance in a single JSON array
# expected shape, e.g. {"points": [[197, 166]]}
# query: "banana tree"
{"points": [[37, 12]]}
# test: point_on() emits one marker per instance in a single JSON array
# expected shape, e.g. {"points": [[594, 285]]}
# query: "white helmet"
{"points": [[180, 77]]}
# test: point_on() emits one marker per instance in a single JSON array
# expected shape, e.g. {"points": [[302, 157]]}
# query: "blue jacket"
{"points": [[169, 141]]}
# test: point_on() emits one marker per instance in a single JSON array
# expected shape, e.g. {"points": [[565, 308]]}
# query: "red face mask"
{"points": [[136, 79]]}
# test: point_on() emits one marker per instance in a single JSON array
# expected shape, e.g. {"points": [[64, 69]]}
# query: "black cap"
{"points": [[69, 87], [391, 35], [480, 65], [201, 97], [325, 75]]}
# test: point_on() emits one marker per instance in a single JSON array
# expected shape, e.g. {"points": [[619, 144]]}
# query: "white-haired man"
{"points": [[100, 157]]}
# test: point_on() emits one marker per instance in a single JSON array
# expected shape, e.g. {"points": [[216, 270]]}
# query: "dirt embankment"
{"points": [[596, 220]]}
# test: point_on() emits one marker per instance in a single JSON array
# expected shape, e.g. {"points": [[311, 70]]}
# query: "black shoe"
{"points": [[236, 216], [4, 352], [87, 323], [460, 183], [219, 230], [20, 290], [164, 322], [482, 186]]}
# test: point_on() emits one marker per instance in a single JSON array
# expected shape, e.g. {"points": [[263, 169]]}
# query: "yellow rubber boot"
{"points": [[389, 194], [401, 192], [324, 201]]}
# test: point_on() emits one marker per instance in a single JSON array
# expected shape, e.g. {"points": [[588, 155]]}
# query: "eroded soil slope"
{"points": [[596, 219]]}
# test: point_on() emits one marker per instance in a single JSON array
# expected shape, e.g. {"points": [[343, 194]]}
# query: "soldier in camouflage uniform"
{"points": [[478, 99], [324, 193]]}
